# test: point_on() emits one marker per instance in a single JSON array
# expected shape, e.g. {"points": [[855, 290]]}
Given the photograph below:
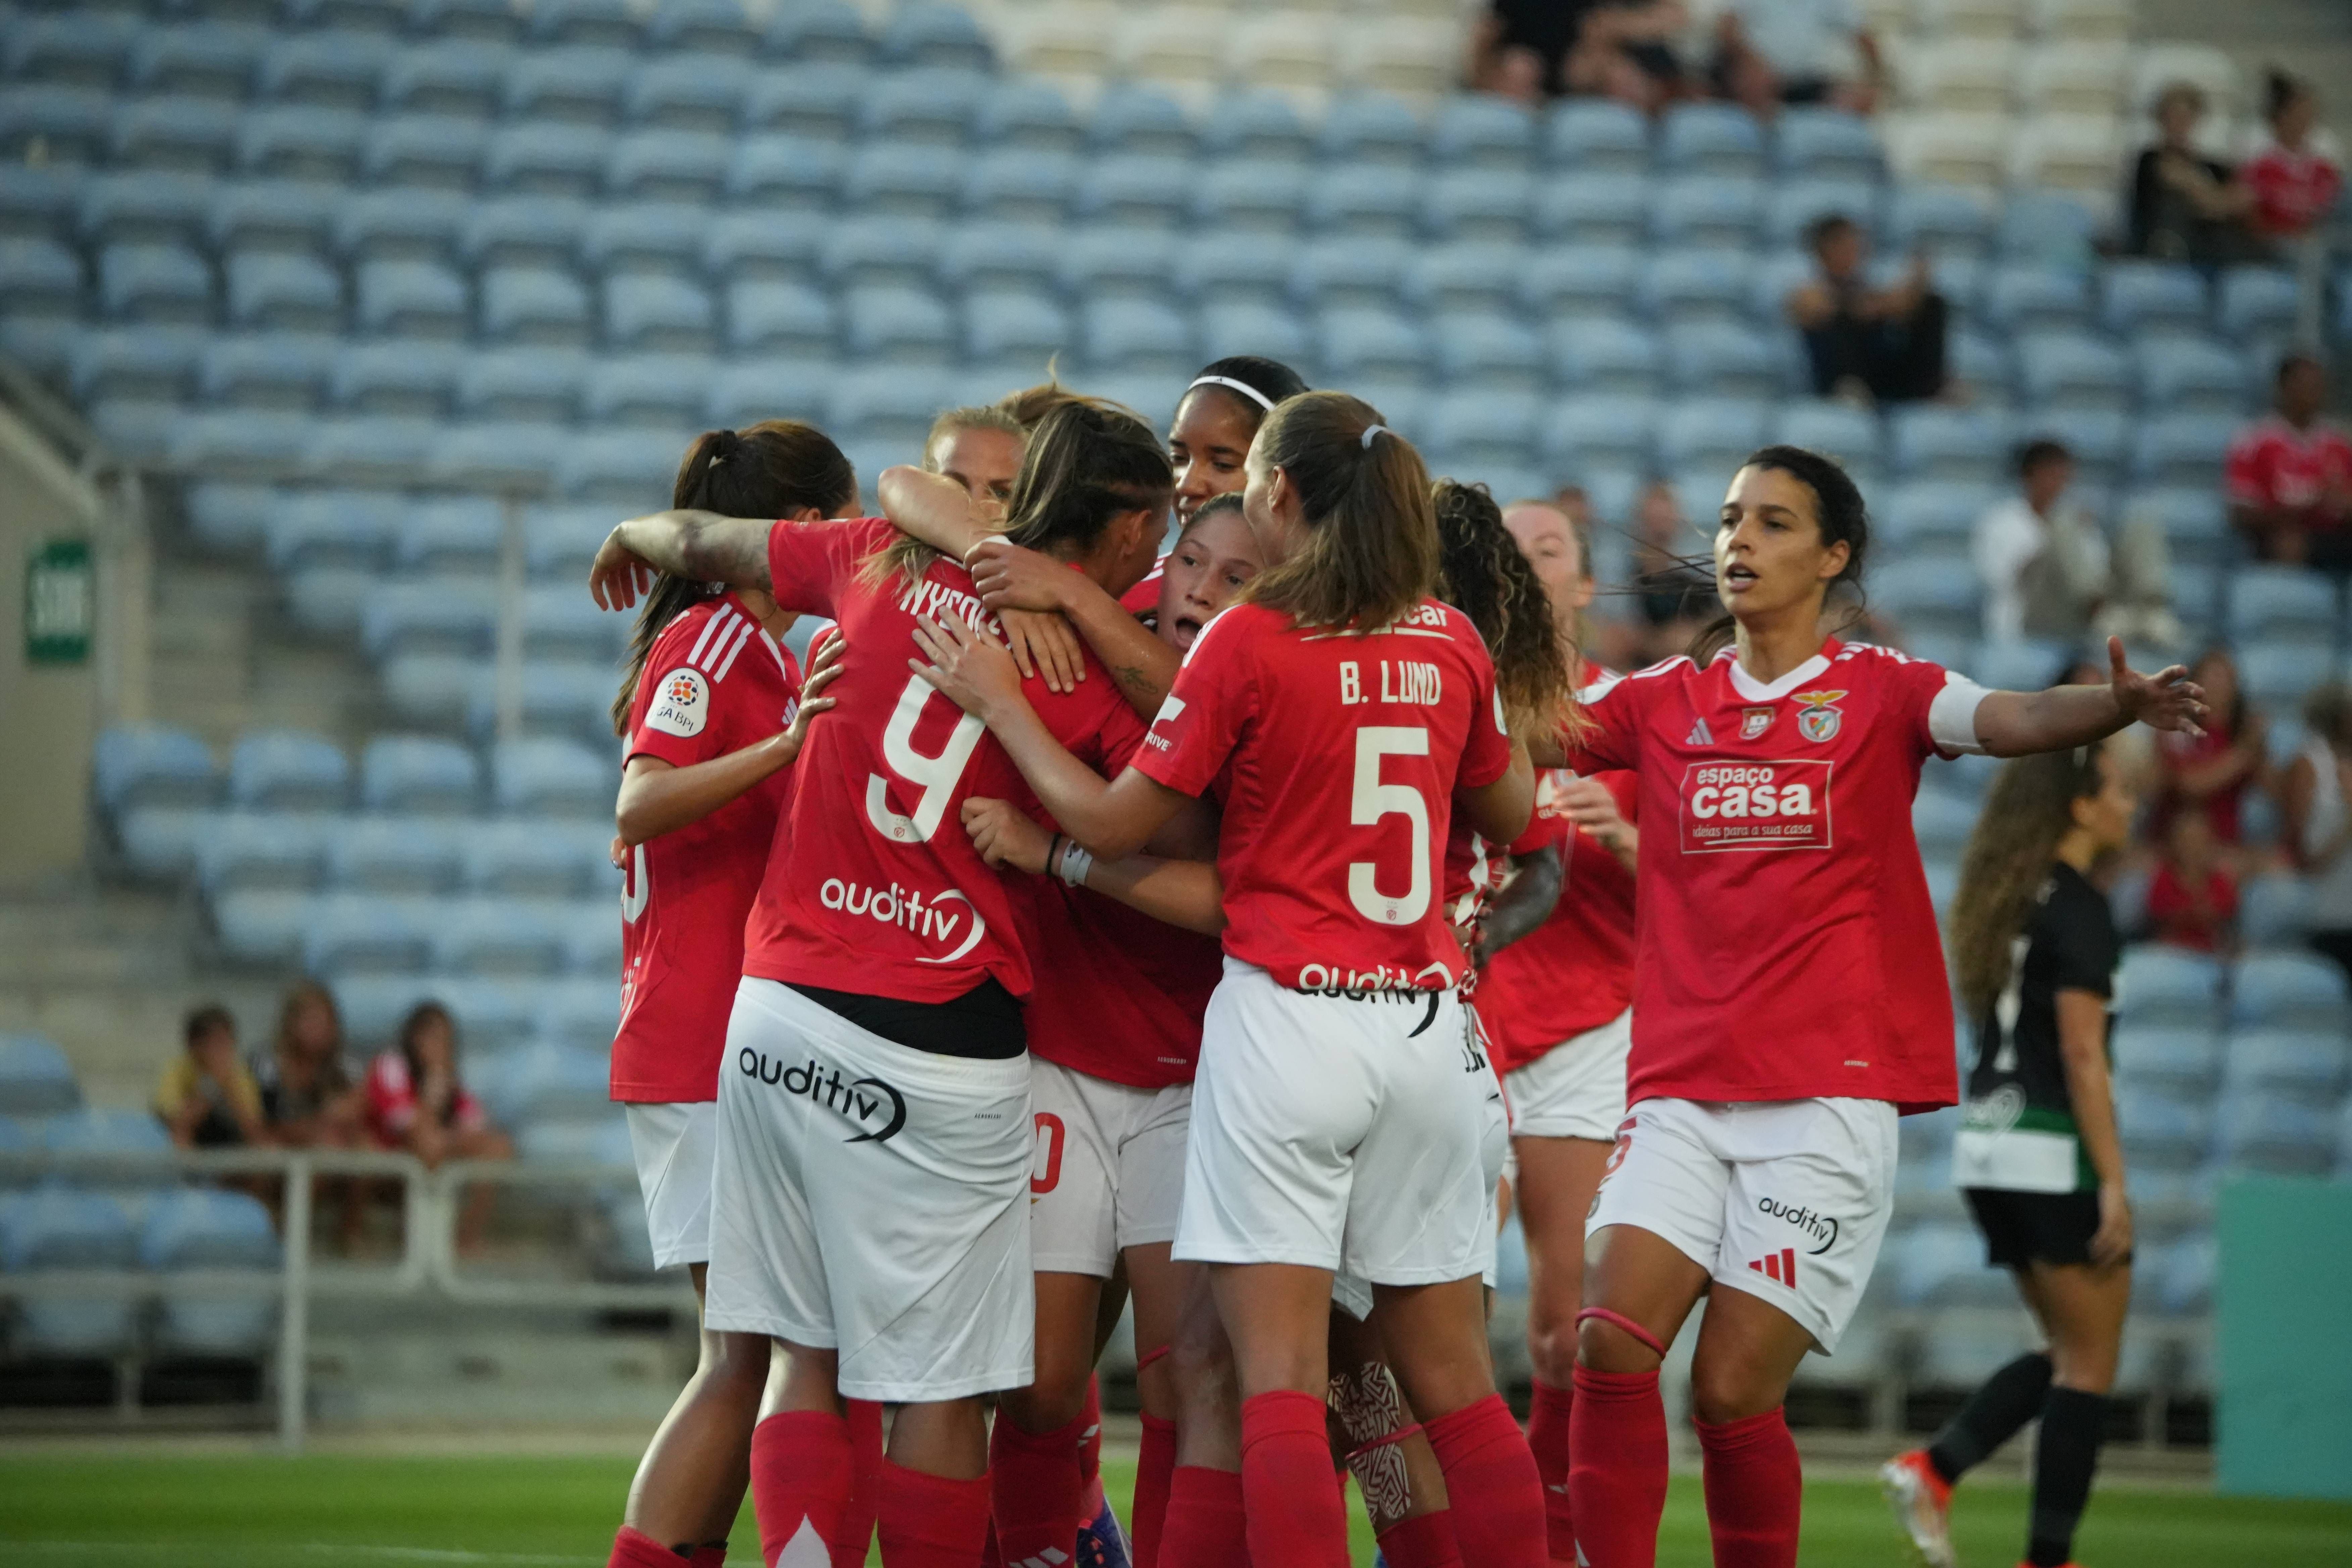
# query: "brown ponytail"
{"points": [[1371, 549]]}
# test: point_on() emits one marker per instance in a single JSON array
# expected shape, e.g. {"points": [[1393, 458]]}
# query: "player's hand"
{"points": [[1044, 643], [618, 575], [619, 853], [1588, 804], [1005, 836], [2112, 1242], [2167, 700], [965, 665], [1009, 577], [823, 671]]}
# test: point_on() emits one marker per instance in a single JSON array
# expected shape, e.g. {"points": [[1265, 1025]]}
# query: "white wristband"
{"points": [[1077, 861]]}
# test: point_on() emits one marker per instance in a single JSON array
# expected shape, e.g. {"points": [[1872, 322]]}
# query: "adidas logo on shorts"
{"points": [[1779, 1267]]}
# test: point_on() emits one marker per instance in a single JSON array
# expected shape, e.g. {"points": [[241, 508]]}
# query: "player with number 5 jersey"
{"points": [[870, 1200], [1346, 715]]}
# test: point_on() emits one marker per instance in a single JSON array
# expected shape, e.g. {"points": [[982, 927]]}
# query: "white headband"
{"points": [[1244, 387], [1370, 431]]}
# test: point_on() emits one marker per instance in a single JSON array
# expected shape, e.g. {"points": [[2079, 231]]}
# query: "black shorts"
{"points": [[2034, 1228]]}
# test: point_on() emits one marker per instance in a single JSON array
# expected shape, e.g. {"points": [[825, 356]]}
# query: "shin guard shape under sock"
{"points": [[1294, 1511], [1548, 1441], [1206, 1525], [931, 1522], [2073, 1423], [1753, 1490], [853, 1538], [1491, 1485], [1617, 1474], [1034, 1489], [800, 1473], [1155, 1473], [1422, 1541]]}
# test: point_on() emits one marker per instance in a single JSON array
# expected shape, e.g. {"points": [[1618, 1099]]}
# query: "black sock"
{"points": [[2072, 1425], [2008, 1399]]}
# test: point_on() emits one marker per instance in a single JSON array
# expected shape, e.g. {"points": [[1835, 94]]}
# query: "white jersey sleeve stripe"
{"points": [[713, 626], [727, 662], [1952, 716]]}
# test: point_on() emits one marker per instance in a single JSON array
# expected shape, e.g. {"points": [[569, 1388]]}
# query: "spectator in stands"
{"points": [[206, 1098], [1868, 344], [309, 1095], [2186, 206], [2290, 475], [2295, 181], [2193, 901], [2043, 562], [2316, 802], [416, 1102], [2208, 775], [1672, 596], [1534, 49], [1772, 52]]}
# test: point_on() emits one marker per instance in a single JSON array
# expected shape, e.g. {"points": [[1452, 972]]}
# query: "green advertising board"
{"points": [[2284, 1362], [60, 603]]}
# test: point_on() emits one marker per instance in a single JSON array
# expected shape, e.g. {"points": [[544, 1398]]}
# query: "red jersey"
{"points": [[2176, 754], [883, 893], [2192, 917], [1345, 750], [1787, 947], [714, 682], [1119, 996], [1143, 599], [1575, 972], [2292, 190], [392, 1104], [2272, 463]]}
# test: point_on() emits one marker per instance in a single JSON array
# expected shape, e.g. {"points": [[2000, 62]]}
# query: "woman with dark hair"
{"points": [[2210, 771], [2294, 179], [2035, 949], [712, 709], [1789, 1004], [870, 1191], [309, 1093], [1337, 1110], [417, 1102]]}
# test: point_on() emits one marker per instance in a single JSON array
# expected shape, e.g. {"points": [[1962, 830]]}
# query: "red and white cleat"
{"points": [[1922, 1502]]}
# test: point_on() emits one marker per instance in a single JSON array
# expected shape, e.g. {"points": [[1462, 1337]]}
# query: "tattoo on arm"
{"points": [[1135, 677], [727, 550]]}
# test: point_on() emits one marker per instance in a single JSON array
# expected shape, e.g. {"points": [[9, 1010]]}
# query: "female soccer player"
{"points": [[870, 1190], [2034, 948], [713, 710], [1789, 1006], [978, 447], [1335, 1115]]}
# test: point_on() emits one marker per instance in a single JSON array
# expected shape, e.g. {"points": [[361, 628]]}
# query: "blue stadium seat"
{"points": [[1702, 285], [1721, 359], [1710, 139], [2279, 676], [1475, 430], [621, 466], [39, 277], [560, 623], [375, 17], [2135, 296], [2256, 301], [557, 778], [303, 141], [604, 1141], [1363, 128], [448, 615], [547, 157], [1946, 219], [1942, 1264], [665, 391], [1594, 136], [896, 406], [1795, 205], [1028, 116], [592, 938], [688, 92], [2283, 603], [1709, 432], [523, 859], [1474, 131], [533, 305], [1017, 185], [1367, 201], [1848, 434], [214, 58], [1024, 326], [2164, 986], [1135, 336], [36, 1079], [1942, 824], [2182, 449], [1926, 597], [401, 226], [371, 933], [442, 151], [58, 1228], [2027, 664], [608, 23], [152, 206], [558, 540], [1258, 125], [269, 289], [783, 177], [523, 385], [460, 77], [1581, 280], [1134, 191], [1936, 443], [1467, 276], [1593, 209], [87, 46], [771, 316], [2180, 1060], [1254, 196], [1587, 432], [243, 851], [2195, 522], [2024, 300], [417, 774], [1488, 349], [1364, 344], [546, 1081], [335, 69], [2272, 910], [1599, 355], [1141, 122], [71, 125], [1351, 272], [162, 284], [2072, 370], [408, 300], [2276, 1133], [480, 936], [199, 1227], [904, 178], [159, 842], [812, 102], [488, 21], [929, 35], [272, 214], [288, 770], [883, 252], [1110, 262], [1487, 205], [136, 765], [704, 27], [190, 1325], [2307, 1064], [768, 246], [1221, 267], [924, 107], [572, 88], [1826, 143], [899, 325], [2099, 438], [1934, 516], [1232, 326], [644, 237], [1715, 211], [193, 135]]}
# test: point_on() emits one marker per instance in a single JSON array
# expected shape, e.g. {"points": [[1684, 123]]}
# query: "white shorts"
{"points": [[1336, 1132], [674, 1143], [1787, 1200], [1576, 1088], [1108, 1171], [1353, 1294], [871, 1199]]}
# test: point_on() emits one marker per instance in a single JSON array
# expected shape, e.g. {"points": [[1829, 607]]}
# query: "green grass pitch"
{"points": [[265, 1512]]}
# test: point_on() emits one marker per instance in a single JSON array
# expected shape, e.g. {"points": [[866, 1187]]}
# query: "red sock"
{"points": [[930, 1521], [1424, 1540], [1155, 1473], [710, 1555], [1755, 1491], [1496, 1499], [989, 1556], [1091, 1501], [1547, 1440], [1034, 1487], [634, 1548], [1207, 1526], [854, 1536], [799, 1468], [1617, 1477], [1293, 1510]]}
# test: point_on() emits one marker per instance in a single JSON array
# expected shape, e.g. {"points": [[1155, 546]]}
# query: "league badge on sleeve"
{"points": [[681, 704], [1817, 715]]}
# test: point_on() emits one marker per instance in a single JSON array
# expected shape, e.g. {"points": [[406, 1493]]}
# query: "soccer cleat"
{"points": [[1101, 1542], [1922, 1503]]}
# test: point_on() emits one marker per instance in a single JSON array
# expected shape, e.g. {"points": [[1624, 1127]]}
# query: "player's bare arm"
{"points": [[1010, 577], [2083, 1048], [1524, 903], [1498, 812], [658, 797], [937, 511], [1184, 893], [698, 544], [2019, 724]]}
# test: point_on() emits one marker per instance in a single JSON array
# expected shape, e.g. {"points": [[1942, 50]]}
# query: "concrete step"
{"points": [[441, 1365]]}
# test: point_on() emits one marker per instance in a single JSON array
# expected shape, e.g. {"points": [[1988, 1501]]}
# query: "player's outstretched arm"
{"points": [[1185, 893], [935, 510], [658, 797], [1525, 903], [698, 544], [1111, 820], [2020, 723], [1011, 578]]}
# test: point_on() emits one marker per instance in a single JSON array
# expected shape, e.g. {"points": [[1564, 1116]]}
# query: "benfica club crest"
{"points": [[1817, 715], [1754, 721]]}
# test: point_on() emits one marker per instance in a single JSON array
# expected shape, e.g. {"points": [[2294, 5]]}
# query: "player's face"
{"points": [[1769, 554], [984, 462], [1549, 544], [1208, 445], [2108, 816], [1217, 554]]}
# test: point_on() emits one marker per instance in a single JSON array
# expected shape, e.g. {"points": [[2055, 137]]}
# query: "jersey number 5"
{"points": [[936, 775], [1369, 802]]}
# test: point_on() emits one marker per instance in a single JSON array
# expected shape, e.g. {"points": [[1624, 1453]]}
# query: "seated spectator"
{"points": [[1533, 49], [2290, 475], [2294, 179], [416, 1102], [1772, 52], [206, 1098], [2192, 900], [1672, 595], [2043, 562], [2186, 206], [2315, 804], [2208, 775], [1868, 344], [309, 1094]]}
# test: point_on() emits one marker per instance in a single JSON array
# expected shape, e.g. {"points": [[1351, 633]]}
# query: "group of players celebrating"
{"points": [[1086, 927]]}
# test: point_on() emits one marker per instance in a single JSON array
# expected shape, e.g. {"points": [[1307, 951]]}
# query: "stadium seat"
{"points": [[1486, 349], [1581, 280], [2305, 1064], [86, 47], [1927, 442], [1134, 335], [1706, 210], [2168, 987], [401, 225], [261, 851], [563, 90], [409, 300], [2072, 370], [668, 165], [1826, 143], [2272, 910], [329, 528], [557, 778], [904, 178], [72, 125], [214, 58], [58, 1228], [897, 325], [1680, 286], [2178, 1060], [1033, 117], [701, 93], [2283, 603], [1363, 344], [1593, 209], [818, 30], [333, 69], [1371, 128], [193, 135], [1474, 131], [1583, 433], [813, 104], [1255, 198], [1794, 206], [1943, 1265], [1140, 122], [1708, 432], [288, 770], [775, 317], [2276, 1133], [150, 765], [549, 158], [496, 937], [1594, 136], [1024, 327], [885, 252], [1710, 139], [1017, 185], [545, 1081], [1947, 220], [159, 284], [265, 289], [1467, 276], [1844, 432], [2185, 449], [2256, 301], [1346, 272], [2135, 296], [933, 109], [2195, 522], [1477, 205], [522, 859], [418, 775], [1721, 359], [1228, 268], [1602, 356], [301, 142], [2286, 990], [925, 34], [36, 1079], [1926, 597], [460, 77], [1252, 327], [198, 1228], [663, 390], [152, 207]]}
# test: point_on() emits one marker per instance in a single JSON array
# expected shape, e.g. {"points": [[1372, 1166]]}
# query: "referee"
{"points": [[2034, 948]]}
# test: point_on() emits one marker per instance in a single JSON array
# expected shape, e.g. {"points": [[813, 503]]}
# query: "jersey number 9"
{"points": [[937, 775]]}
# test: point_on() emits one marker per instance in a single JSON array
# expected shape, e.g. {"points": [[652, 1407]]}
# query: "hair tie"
{"points": [[1370, 431], [724, 445], [1244, 387]]}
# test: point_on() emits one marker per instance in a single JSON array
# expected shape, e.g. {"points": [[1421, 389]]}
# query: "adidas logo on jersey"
{"points": [[1699, 735], [1779, 1267]]}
